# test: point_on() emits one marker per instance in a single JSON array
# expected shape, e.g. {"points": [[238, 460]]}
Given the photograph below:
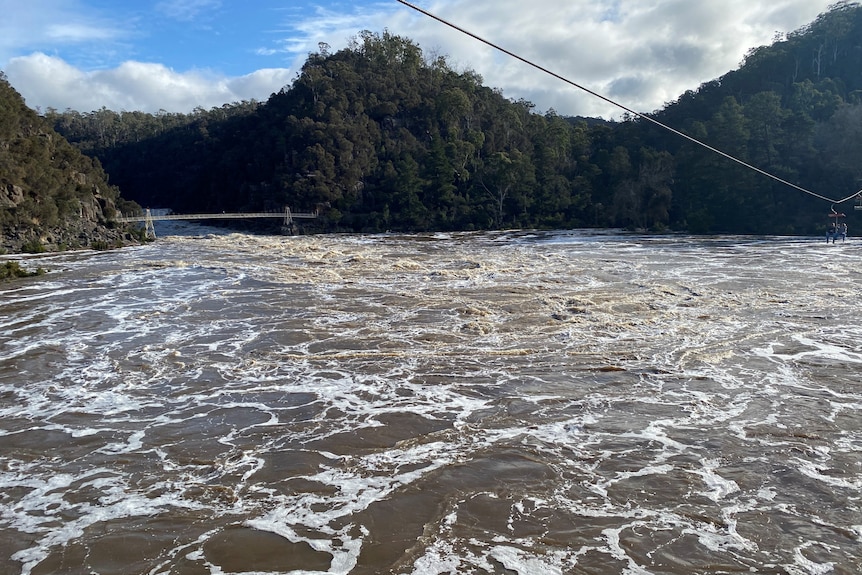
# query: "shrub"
{"points": [[13, 269], [33, 246]]}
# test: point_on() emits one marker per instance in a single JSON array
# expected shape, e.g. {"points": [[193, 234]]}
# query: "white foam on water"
{"points": [[41, 509], [673, 386], [817, 471], [616, 550], [821, 350], [519, 561], [805, 566], [718, 488]]}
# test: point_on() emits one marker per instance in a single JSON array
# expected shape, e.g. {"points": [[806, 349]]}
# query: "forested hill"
{"points": [[51, 195], [379, 136]]}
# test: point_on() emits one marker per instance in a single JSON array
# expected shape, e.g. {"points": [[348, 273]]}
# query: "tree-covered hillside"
{"points": [[51, 195], [380, 136], [793, 109]]}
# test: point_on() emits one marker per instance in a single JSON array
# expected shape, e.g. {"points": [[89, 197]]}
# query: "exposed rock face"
{"points": [[11, 196], [52, 197], [90, 227]]}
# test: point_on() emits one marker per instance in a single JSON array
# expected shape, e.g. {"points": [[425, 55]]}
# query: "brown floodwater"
{"points": [[519, 402]]}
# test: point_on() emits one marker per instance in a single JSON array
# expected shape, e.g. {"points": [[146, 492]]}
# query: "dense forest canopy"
{"points": [[380, 136]]}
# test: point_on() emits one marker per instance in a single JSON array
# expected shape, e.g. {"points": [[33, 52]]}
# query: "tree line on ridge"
{"points": [[381, 136]]}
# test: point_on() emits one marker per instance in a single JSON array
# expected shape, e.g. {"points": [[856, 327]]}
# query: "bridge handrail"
{"points": [[221, 216]]}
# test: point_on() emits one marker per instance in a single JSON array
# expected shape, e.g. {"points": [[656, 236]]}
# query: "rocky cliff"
{"points": [[52, 197]]}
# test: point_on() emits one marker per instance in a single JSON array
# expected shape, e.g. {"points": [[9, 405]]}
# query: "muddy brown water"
{"points": [[520, 402]]}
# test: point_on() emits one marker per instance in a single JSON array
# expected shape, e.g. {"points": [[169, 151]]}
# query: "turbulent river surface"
{"points": [[513, 403]]}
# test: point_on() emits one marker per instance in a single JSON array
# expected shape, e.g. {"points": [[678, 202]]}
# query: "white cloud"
{"points": [[641, 53], [74, 32], [260, 84], [28, 24], [187, 10], [47, 81]]}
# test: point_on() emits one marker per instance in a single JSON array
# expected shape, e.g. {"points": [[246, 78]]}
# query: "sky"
{"points": [[177, 55]]}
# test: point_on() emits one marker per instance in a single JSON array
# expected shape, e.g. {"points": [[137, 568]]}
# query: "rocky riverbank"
{"points": [[90, 228]]}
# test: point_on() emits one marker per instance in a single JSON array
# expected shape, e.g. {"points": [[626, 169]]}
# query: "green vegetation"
{"points": [[33, 246], [12, 269], [51, 195], [380, 136]]}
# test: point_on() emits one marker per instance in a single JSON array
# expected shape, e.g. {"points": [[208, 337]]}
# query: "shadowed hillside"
{"points": [[380, 136], [52, 196]]}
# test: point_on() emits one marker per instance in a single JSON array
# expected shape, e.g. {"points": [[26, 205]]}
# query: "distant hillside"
{"points": [[378, 136], [794, 109], [52, 196]]}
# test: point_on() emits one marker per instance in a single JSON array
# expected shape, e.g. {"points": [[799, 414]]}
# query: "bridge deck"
{"points": [[221, 216], [149, 217]]}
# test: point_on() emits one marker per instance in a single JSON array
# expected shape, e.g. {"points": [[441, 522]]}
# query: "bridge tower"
{"points": [[149, 228], [287, 226]]}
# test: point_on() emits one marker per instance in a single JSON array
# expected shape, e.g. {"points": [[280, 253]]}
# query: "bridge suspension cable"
{"points": [[149, 217], [625, 108]]}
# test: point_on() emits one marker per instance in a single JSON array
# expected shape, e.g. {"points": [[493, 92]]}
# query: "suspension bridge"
{"points": [[149, 217]]}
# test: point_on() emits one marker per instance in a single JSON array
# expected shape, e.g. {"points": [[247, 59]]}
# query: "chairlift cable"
{"points": [[621, 106]]}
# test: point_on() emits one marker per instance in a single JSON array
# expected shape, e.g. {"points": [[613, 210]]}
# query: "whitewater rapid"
{"points": [[511, 402]]}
